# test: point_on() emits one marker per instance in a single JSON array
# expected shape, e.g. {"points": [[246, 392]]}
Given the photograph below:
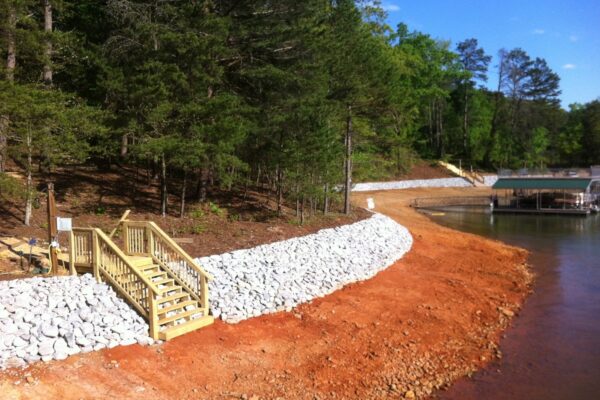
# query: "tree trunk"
{"points": [[494, 128], [297, 200], [29, 186], [466, 149], [183, 189], [163, 186], [124, 144], [279, 191], [326, 200], [48, 47], [348, 162], [201, 187], [440, 124], [11, 44], [11, 61], [302, 216]]}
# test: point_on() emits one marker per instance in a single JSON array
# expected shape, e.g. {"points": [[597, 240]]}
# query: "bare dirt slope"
{"points": [[435, 315]]}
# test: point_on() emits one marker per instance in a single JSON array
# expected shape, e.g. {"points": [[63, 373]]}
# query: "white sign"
{"points": [[64, 224], [370, 203]]}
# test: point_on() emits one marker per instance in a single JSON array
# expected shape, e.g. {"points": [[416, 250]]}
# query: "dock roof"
{"points": [[579, 184]]}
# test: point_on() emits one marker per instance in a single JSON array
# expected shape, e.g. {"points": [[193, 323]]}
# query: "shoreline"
{"points": [[434, 316]]}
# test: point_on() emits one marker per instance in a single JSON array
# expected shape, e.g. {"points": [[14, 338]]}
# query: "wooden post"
{"points": [[72, 256], [123, 218], [125, 233], [52, 229], [96, 256], [152, 315], [204, 293], [149, 240]]}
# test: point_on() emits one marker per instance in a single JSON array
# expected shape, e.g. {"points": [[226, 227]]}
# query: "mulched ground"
{"points": [[231, 221]]}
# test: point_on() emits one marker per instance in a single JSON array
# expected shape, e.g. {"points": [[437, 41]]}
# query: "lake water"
{"points": [[552, 349]]}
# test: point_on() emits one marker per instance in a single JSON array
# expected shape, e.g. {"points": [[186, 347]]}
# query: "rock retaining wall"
{"points": [[416, 183], [53, 318], [281, 275], [489, 180]]}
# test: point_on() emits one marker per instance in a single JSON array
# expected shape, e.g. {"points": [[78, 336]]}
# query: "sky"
{"points": [[565, 33]]}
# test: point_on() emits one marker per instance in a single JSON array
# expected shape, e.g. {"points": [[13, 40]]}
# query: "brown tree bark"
{"points": [[11, 62], [466, 147], [183, 190], [48, 47], [163, 186], [29, 186], [124, 144], [348, 162]]}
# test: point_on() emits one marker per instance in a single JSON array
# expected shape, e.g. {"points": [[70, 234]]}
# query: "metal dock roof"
{"points": [[580, 184]]}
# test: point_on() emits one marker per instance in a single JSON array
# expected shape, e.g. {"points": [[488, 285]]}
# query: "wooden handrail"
{"points": [[158, 231], [125, 259]]}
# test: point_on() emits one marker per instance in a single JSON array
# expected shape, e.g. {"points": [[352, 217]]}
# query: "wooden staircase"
{"points": [[152, 273], [472, 177], [177, 311]]}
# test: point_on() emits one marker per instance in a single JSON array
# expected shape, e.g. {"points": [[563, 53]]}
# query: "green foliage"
{"points": [[11, 188], [198, 228], [262, 93], [215, 209], [197, 213]]}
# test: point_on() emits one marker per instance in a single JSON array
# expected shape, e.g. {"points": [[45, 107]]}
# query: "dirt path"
{"points": [[435, 315]]}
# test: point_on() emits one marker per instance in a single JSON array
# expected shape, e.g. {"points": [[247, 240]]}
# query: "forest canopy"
{"points": [[305, 95]]}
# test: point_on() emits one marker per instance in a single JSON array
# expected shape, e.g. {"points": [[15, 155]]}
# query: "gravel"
{"points": [[53, 318], [279, 276], [408, 184]]}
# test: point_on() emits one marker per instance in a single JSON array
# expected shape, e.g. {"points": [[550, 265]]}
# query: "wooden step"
{"points": [[173, 318], [172, 297], [138, 261], [168, 289], [148, 268], [177, 306], [189, 326], [155, 274], [167, 281]]}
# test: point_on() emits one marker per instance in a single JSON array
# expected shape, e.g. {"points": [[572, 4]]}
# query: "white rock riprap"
{"points": [[409, 184], [281, 275], [489, 180], [53, 318]]}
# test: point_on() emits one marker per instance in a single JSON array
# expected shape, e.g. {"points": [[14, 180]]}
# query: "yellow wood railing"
{"points": [[145, 238], [92, 248], [472, 177]]}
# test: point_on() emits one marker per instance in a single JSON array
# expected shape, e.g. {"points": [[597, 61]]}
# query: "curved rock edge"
{"points": [[279, 276]]}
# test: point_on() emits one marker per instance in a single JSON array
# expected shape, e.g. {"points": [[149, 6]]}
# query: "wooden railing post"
{"points": [[126, 237], [96, 256], [72, 257], [150, 240], [152, 316], [204, 292]]}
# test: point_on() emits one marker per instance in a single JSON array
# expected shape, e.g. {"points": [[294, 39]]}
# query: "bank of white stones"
{"points": [[53, 318], [281, 275], [409, 184], [488, 180]]}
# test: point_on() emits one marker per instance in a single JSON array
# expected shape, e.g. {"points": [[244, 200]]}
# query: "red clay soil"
{"points": [[432, 317]]}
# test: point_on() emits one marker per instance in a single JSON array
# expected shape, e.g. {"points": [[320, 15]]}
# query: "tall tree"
{"points": [[48, 22], [474, 63], [10, 26]]}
